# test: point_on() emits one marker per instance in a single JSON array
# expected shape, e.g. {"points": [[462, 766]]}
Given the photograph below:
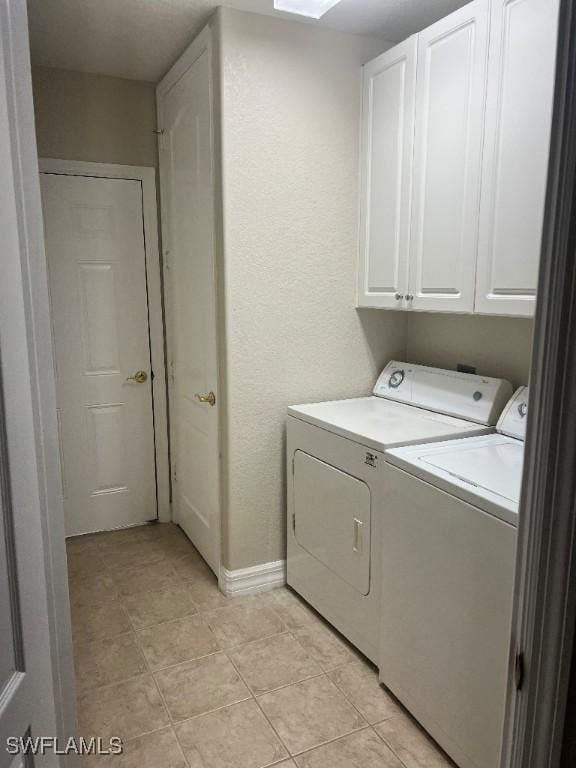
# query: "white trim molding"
{"points": [[250, 581], [147, 177], [201, 43]]}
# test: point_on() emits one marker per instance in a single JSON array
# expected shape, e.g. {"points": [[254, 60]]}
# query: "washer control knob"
{"points": [[477, 396], [396, 379], [523, 409]]}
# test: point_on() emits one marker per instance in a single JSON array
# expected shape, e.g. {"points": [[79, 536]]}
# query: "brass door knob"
{"points": [[210, 398], [139, 377]]}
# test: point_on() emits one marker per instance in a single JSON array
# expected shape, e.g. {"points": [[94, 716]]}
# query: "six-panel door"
{"points": [[97, 278]]}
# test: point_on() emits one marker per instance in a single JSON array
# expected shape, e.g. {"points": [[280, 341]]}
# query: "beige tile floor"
{"points": [[190, 679]]}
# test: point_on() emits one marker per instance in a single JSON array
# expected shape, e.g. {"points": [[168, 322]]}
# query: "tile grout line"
{"points": [[288, 685], [130, 633], [436, 747], [325, 673], [370, 725], [162, 699], [181, 582], [364, 728], [118, 595], [254, 698], [174, 723], [170, 723], [331, 630], [396, 755], [348, 699], [251, 695]]}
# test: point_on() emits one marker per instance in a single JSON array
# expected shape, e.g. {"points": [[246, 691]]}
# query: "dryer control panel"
{"points": [[463, 395]]}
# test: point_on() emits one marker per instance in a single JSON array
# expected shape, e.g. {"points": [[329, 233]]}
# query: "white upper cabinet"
{"points": [[388, 132], [518, 125], [456, 138], [450, 99]]}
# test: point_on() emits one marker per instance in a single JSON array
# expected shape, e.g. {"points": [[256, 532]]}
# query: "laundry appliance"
{"points": [[336, 483], [448, 537]]}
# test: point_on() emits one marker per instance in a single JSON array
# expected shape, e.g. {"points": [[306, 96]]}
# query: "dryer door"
{"points": [[332, 519]]}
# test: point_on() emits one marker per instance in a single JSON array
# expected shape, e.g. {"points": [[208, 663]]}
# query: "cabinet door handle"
{"points": [[358, 525], [409, 296], [399, 296]]}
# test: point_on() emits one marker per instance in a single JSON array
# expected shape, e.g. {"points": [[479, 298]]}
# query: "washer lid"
{"points": [[485, 471], [496, 467]]}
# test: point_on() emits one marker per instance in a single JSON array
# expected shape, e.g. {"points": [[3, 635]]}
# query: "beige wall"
{"points": [[290, 117], [497, 346], [94, 117], [291, 110]]}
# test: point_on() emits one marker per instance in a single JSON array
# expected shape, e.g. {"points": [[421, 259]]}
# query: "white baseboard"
{"points": [[249, 581]]}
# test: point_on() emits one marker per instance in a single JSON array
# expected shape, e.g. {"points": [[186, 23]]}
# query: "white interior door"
{"points": [[387, 147], [451, 76], [97, 278], [186, 157]]}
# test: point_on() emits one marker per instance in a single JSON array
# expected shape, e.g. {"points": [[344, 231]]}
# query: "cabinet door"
{"points": [[450, 95], [388, 132], [518, 124]]}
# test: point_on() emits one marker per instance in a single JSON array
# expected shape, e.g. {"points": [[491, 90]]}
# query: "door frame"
{"points": [[545, 595], [30, 377], [147, 178]]}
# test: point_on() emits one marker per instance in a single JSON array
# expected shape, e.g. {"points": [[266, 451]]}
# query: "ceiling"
{"points": [[140, 39]]}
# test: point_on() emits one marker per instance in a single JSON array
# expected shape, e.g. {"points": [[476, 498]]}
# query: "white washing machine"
{"points": [[336, 481], [448, 559]]}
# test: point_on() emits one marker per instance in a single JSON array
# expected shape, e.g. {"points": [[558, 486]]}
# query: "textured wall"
{"points": [[291, 111], [94, 117], [497, 346], [290, 127]]}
